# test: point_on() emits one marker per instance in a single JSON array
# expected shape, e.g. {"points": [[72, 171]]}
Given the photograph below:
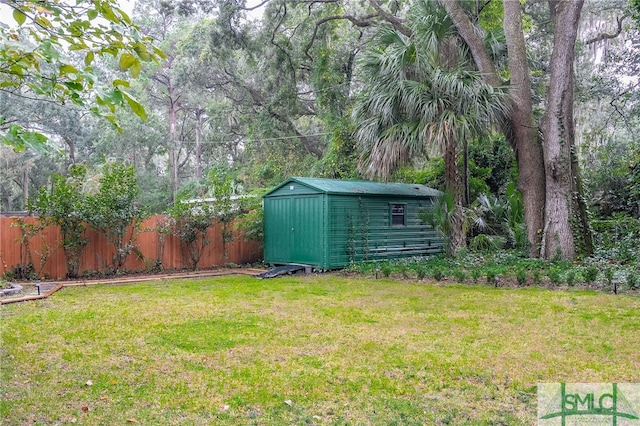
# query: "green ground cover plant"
{"points": [[326, 349], [509, 268]]}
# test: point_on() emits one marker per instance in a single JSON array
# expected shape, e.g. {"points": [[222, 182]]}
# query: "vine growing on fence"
{"points": [[64, 205], [112, 210], [190, 222], [25, 268]]}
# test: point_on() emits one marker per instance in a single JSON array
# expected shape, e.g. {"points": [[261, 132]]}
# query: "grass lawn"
{"points": [[325, 349]]}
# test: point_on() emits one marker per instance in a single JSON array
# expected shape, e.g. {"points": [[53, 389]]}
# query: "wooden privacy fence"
{"points": [[98, 253]]}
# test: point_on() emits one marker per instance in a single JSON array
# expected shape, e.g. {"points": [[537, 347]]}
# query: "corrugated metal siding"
{"points": [[308, 230], [360, 230], [277, 227], [294, 229]]}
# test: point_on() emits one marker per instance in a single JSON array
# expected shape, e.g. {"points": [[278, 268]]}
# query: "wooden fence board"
{"points": [[98, 254]]}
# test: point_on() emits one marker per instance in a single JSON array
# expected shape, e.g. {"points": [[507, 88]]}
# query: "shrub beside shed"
{"points": [[329, 223]]}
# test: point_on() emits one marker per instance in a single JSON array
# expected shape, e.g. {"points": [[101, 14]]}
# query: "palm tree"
{"points": [[422, 98]]}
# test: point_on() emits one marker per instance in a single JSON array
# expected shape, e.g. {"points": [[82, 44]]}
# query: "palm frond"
{"points": [[414, 104]]}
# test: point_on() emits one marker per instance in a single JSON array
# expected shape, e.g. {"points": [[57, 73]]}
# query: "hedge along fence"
{"points": [[98, 253]]}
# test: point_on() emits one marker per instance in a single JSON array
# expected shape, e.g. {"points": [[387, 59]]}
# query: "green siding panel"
{"points": [[277, 219], [307, 232], [360, 230], [294, 229]]}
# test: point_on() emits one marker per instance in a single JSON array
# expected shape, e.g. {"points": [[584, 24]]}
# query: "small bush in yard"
{"points": [[482, 242], [570, 278], [632, 280], [385, 268], [421, 271], [521, 276], [608, 275], [404, 270], [438, 275], [460, 275], [537, 277], [190, 222], [475, 274], [554, 276], [590, 274]]}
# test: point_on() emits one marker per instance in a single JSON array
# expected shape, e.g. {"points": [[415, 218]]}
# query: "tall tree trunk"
{"points": [[523, 133], [199, 114], [72, 149], [584, 231], [173, 145], [457, 239], [558, 133], [521, 130], [472, 38], [465, 174], [25, 185]]}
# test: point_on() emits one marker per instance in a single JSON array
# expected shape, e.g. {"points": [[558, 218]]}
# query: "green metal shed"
{"points": [[328, 223]]}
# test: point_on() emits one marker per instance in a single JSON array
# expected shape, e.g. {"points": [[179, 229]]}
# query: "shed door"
{"points": [[294, 229], [307, 226], [277, 229]]}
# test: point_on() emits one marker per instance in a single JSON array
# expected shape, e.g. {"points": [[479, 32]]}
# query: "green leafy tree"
{"points": [[190, 222], [521, 131], [225, 211], [441, 217], [167, 23], [144, 148], [340, 158], [36, 60], [634, 184], [636, 10], [64, 205], [422, 98], [549, 179], [113, 211], [251, 221], [282, 119]]}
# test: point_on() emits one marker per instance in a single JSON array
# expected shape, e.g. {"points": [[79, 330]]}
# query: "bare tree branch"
{"points": [[306, 142], [273, 41], [363, 22], [258, 6], [606, 36], [396, 22], [473, 40]]}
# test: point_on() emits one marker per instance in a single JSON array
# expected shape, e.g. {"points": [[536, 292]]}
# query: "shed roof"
{"points": [[350, 187]]}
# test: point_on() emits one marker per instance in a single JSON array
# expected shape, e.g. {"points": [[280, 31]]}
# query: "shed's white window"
{"points": [[397, 214]]}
